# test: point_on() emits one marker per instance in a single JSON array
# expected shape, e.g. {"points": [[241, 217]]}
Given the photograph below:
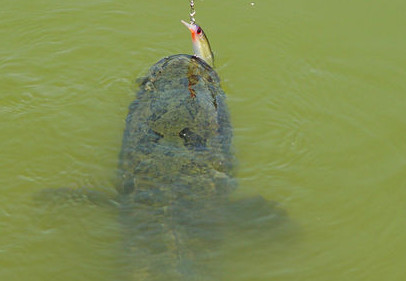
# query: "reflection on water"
{"points": [[316, 98]]}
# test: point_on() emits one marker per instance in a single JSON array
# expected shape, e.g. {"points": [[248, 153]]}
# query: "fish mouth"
{"points": [[188, 25]]}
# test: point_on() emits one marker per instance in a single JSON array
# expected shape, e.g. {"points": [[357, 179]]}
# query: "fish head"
{"points": [[201, 45]]}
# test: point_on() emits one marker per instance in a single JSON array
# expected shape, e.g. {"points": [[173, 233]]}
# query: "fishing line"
{"points": [[192, 12]]}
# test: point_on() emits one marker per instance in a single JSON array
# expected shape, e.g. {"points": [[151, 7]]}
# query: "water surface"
{"points": [[317, 97]]}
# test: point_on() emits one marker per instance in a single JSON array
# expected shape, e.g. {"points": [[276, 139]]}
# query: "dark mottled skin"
{"points": [[175, 170], [175, 136]]}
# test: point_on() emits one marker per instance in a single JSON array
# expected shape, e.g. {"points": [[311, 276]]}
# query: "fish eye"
{"points": [[199, 30]]}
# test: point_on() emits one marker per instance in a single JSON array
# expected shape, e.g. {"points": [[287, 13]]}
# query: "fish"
{"points": [[175, 168], [200, 42]]}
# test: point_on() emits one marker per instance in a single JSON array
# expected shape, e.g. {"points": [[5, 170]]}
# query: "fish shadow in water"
{"points": [[149, 241]]}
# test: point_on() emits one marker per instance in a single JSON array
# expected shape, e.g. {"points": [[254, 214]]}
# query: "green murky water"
{"points": [[317, 93]]}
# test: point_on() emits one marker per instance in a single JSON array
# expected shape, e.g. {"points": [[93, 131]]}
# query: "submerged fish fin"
{"points": [[254, 215], [67, 195]]}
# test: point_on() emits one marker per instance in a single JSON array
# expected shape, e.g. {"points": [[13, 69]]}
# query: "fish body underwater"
{"points": [[175, 170]]}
